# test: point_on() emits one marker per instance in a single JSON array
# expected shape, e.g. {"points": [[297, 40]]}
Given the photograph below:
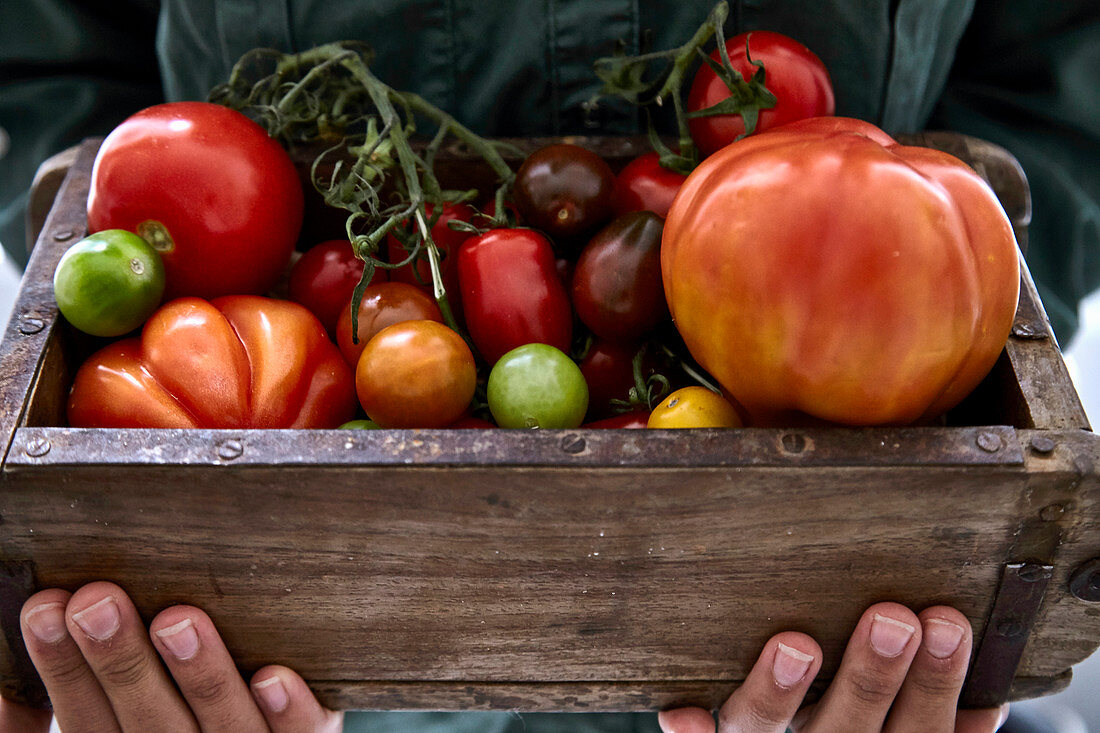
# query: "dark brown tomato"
{"points": [[564, 190]]}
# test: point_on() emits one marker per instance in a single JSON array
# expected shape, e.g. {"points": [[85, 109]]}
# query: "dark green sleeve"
{"points": [[67, 70], [1027, 76]]}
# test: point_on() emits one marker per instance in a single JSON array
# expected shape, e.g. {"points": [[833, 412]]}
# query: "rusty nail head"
{"points": [[1023, 330], [572, 443], [989, 442], [230, 449], [1042, 443], [1010, 628], [29, 325], [37, 447], [64, 235], [1051, 512], [794, 443], [1084, 584]]}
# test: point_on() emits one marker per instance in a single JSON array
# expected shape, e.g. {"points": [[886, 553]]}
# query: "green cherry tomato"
{"points": [[537, 386], [109, 283], [360, 425]]}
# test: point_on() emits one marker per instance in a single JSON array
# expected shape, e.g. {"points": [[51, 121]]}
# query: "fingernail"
{"points": [[890, 636], [789, 666], [47, 622], [271, 694], [942, 638], [99, 620], [180, 639]]}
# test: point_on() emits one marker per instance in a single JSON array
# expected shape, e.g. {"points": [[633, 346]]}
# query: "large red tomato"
{"points": [[792, 72], [241, 361], [207, 187], [822, 268]]}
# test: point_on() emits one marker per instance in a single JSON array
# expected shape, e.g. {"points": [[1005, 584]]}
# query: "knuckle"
{"points": [[872, 690], [66, 671], [208, 690], [125, 668], [936, 686], [758, 715]]}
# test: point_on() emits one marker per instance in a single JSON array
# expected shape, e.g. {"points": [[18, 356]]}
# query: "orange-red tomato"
{"points": [[822, 268], [416, 374], [383, 304], [239, 361]]}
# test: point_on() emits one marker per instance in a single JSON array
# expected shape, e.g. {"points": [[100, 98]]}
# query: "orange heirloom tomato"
{"points": [[240, 361], [416, 374], [694, 407], [823, 269]]}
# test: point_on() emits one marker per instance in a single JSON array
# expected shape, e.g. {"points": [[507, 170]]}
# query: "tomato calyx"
{"points": [[746, 98], [157, 235]]}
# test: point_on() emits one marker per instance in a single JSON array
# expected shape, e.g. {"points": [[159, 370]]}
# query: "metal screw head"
{"points": [[573, 444], [989, 442], [230, 449], [64, 235], [29, 325], [793, 442], [1042, 444], [1052, 512], [1084, 584], [1031, 572], [37, 447]]}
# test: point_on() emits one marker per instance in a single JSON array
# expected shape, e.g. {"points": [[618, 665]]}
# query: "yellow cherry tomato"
{"points": [[694, 407]]}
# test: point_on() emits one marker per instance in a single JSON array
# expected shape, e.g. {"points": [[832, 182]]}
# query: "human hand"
{"points": [[98, 663], [901, 673]]}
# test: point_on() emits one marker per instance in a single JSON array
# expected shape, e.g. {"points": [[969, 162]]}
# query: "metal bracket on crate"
{"points": [[16, 586], [1015, 608]]}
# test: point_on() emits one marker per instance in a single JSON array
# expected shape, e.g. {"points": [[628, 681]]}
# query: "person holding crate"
{"points": [[1000, 69]]}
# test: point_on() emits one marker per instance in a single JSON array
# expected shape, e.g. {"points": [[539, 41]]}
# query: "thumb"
{"points": [[686, 720]]}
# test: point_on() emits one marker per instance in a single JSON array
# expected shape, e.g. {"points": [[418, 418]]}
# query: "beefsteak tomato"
{"points": [[206, 186], [823, 268], [241, 361]]}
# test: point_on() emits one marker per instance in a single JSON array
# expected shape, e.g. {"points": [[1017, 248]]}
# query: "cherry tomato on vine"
{"points": [[323, 279], [694, 407], [383, 304], [608, 369], [447, 241], [537, 386], [564, 190], [416, 374], [109, 283], [793, 73], [511, 292], [625, 421], [645, 185], [208, 188], [617, 288]]}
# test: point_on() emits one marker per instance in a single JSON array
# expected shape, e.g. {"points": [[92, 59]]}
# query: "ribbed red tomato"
{"points": [[241, 361], [822, 268]]}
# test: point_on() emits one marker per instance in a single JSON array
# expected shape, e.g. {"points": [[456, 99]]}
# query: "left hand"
{"points": [[103, 671]]}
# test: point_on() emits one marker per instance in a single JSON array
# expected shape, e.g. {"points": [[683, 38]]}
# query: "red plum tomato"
{"points": [[208, 188], [416, 374]]}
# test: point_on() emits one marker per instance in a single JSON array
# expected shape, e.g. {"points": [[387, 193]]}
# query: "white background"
{"points": [[1077, 708]]}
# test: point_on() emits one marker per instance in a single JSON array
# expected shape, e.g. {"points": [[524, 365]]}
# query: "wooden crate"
{"points": [[560, 569]]}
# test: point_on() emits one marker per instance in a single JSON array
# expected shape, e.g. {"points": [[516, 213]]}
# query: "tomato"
{"points": [[537, 386], [360, 425], [323, 279], [694, 407], [608, 369], [793, 73], [447, 241], [868, 282], [511, 292], [625, 421], [645, 185], [208, 188], [383, 304], [416, 374], [564, 190], [617, 290], [234, 362], [108, 283]]}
